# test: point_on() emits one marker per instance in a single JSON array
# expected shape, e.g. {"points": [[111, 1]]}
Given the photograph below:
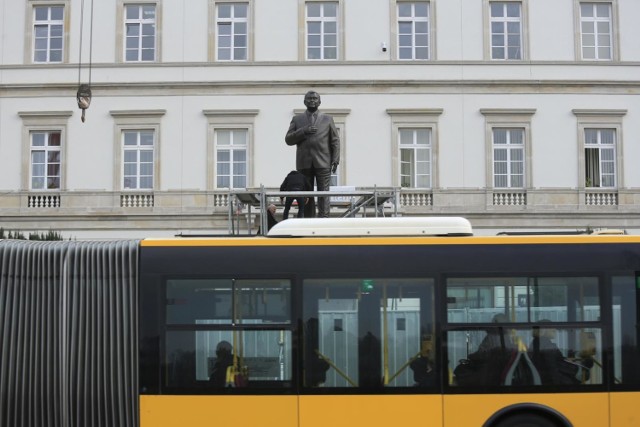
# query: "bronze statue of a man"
{"points": [[318, 147]]}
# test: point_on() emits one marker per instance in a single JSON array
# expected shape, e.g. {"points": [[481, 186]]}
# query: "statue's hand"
{"points": [[310, 130], [334, 167]]}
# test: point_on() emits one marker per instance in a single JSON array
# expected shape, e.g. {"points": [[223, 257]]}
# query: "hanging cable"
{"points": [[83, 96]]}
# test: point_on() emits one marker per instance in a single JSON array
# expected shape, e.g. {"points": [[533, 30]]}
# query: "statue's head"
{"points": [[312, 100]]}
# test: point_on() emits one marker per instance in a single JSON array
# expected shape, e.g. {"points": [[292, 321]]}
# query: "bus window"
{"points": [[368, 333], [537, 355], [625, 330], [503, 323], [225, 333], [523, 299]]}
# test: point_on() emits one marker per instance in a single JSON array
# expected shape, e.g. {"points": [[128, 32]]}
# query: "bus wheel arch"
{"points": [[529, 415]]}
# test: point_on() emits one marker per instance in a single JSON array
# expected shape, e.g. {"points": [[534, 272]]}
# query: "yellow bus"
{"points": [[328, 322]]}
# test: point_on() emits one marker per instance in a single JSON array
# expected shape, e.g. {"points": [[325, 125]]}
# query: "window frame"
{"points": [[395, 33], [508, 147], [418, 118], [138, 149], [136, 120], [415, 147], [229, 120], [613, 22], [499, 118], [43, 121], [29, 52], [600, 119], [524, 30], [303, 52], [213, 32], [121, 42]]}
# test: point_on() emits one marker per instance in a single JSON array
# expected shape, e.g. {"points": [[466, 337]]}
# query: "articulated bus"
{"points": [[327, 322]]}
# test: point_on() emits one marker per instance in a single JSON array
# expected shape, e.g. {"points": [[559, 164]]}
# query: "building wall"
{"points": [[460, 88]]}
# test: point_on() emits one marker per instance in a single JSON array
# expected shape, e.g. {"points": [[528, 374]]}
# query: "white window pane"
{"points": [[239, 182], [132, 12], [313, 10], [499, 136], [331, 10], [497, 10], [423, 181], [422, 164], [149, 12], [513, 10], [130, 169], [500, 181], [404, 9], [517, 181], [37, 169], [422, 9], [602, 10], [224, 11], [517, 155], [608, 136], [588, 27], [37, 183], [146, 182], [604, 53], [146, 169], [516, 136], [586, 10], [223, 137], [422, 136], [406, 136], [224, 168], [330, 53], [224, 155], [240, 10], [588, 53], [588, 40], [239, 155], [330, 27]]}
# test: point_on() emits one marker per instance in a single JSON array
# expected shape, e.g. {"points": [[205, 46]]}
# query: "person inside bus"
{"points": [[422, 366], [497, 337], [548, 359], [493, 354], [224, 359]]}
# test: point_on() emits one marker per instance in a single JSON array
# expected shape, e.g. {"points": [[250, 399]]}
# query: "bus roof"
{"points": [[393, 226]]}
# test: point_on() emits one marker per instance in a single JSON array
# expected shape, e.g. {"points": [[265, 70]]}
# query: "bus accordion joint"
{"points": [[372, 227]]}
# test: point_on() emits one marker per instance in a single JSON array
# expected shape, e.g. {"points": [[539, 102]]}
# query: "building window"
{"points": [[137, 144], [140, 32], [415, 157], [413, 30], [138, 159], [229, 148], [506, 30], [596, 32], [508, 150], [45, 160], [232, 31], [508, 158], [322, 30], [231, 158], [600, 157], [48, 33], [415, 147]]}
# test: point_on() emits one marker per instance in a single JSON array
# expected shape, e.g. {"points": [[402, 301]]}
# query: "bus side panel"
{"points": [[206, 411], [624, 409], [581, 409], [370, 410]]}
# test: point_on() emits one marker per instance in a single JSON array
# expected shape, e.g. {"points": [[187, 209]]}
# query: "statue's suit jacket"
{"points": [[318, 150]]}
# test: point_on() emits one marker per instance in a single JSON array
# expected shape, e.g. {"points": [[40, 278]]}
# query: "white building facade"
{"points": [[519, 115]]}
